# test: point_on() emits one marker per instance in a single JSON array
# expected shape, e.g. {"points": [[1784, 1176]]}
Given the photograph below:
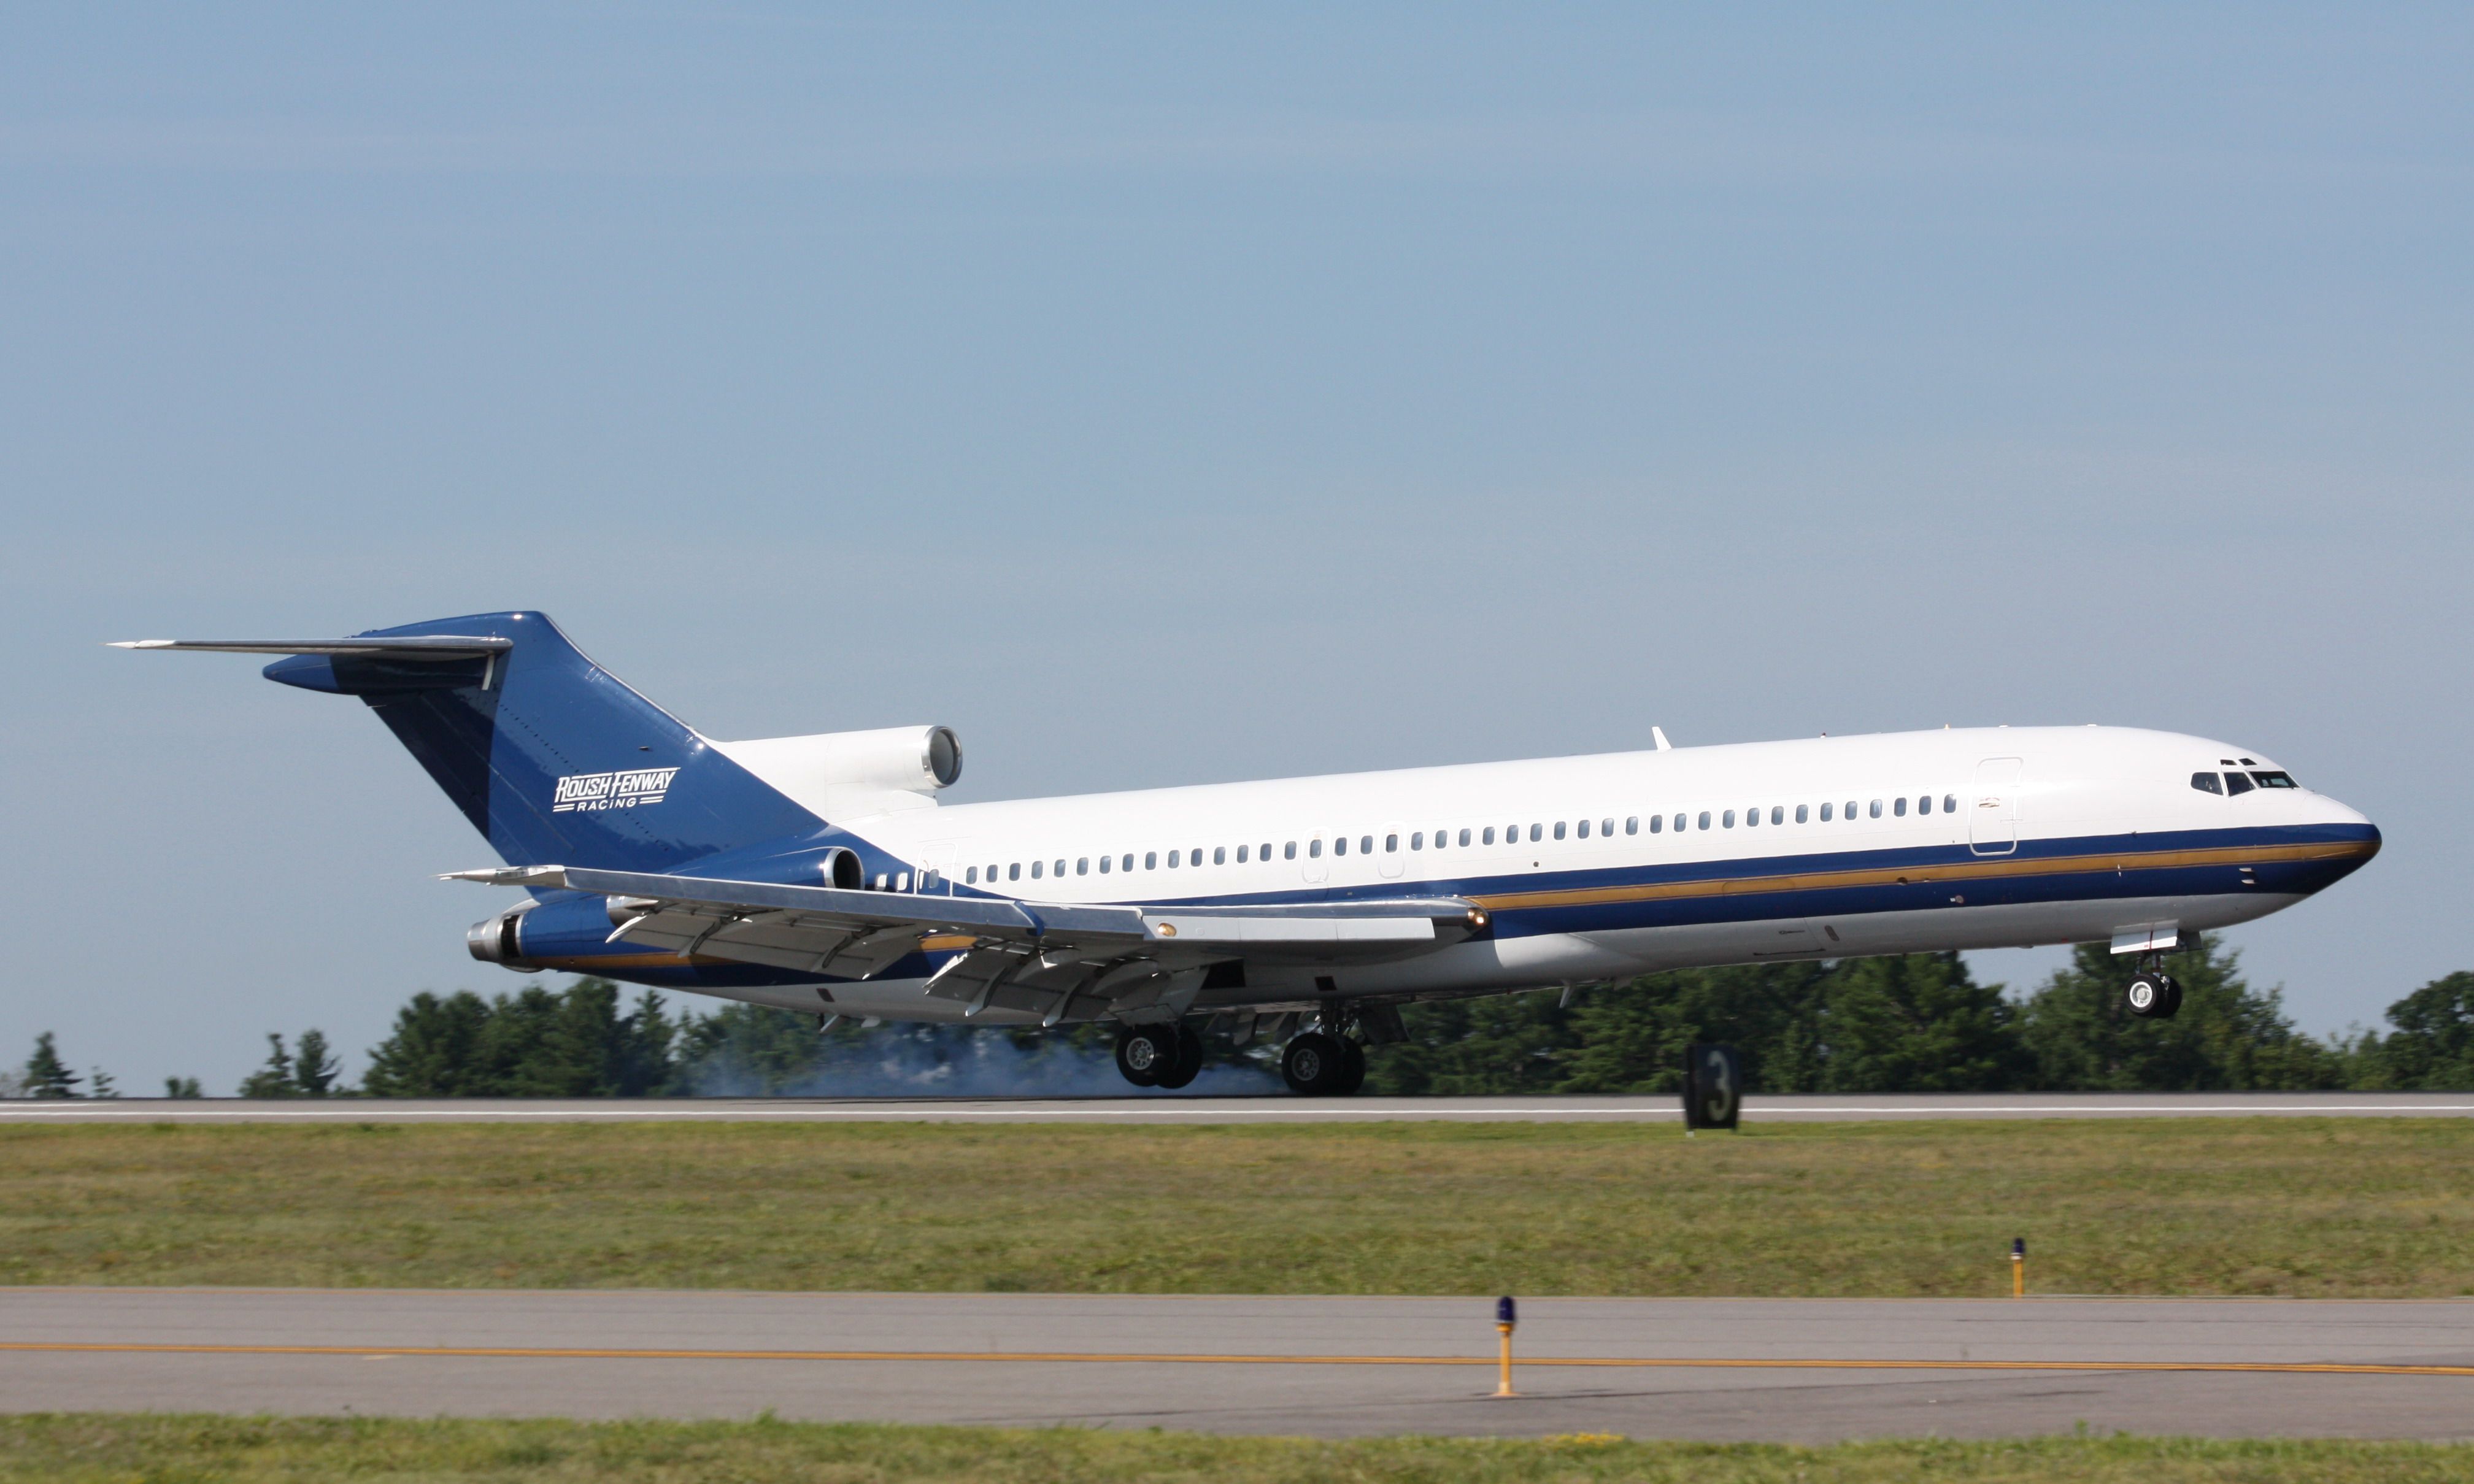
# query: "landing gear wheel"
{"points": [[1353, 1070], [2172, 999], [1189, 1059], [2149, 996], [1145, 1052], [1315, 1064]]}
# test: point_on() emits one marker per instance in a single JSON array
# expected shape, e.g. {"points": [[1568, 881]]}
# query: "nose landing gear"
{"points": [[2151, 993]]}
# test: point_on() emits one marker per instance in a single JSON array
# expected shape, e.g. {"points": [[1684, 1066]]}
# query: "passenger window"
{"points": [[1220, 855], [1241, 855], [1151, 860], [1289, 851], [1490, 837], [1340, 845], [1104, 864], [971, 877], [1802, 813], [1851, 809], [1950, 803], [1704, 819], [1173, 858], [1083, 866], [1034, 870], [2237, 783], [2274, 780], [1585, 829], [902, 882], [1825, 813], [1060, 867], [1924, 804], [1366, 845], [1418, 840], [1731, 818], [1875, 811], [1752, 817], [1559, 829], [2207, 783], [1631, 825], [1129, 861], [1534, 834], [1899, 806], [1314, 849], [1657, 823], [1391, 844], [1266, 852], [1679, 824]]}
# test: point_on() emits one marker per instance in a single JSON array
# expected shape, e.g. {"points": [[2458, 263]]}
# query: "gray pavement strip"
{"points": [[1788, 1370], [1171, 1110]]}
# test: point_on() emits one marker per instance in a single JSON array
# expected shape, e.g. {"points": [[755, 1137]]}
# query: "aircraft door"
{"points": [[1392, 848], [936, 868], [1992, 815]]}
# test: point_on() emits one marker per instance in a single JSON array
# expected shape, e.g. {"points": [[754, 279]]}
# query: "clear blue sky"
{"points": [[1166, 395]]}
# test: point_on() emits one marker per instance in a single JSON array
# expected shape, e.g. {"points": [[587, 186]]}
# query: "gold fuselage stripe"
{"points": [[1925, 875]]}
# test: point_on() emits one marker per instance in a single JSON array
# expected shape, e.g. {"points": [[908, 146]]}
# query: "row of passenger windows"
{"points": [[1465, 837]]}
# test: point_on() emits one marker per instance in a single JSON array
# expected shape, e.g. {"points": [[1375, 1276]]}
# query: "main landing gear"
{"points": [[2151, 993], [1327, 1062], [1322, 1064], [1158, 1056]]}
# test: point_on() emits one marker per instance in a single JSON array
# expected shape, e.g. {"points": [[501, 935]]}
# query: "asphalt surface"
{"points": [[1782, 1370], [1171, 1109]]}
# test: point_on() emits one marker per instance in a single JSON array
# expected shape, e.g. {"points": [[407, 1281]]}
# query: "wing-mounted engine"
{"points": [[849, 775]]}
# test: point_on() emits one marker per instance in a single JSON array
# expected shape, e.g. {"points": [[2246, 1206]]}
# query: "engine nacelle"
{"points": [[842, 775], [500, 939]]}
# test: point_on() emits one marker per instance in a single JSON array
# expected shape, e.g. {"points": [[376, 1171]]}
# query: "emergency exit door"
{"points": [[1992, 813]]}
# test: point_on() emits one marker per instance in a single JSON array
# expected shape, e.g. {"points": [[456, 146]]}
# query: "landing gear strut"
{"points": [[2151, 993]]}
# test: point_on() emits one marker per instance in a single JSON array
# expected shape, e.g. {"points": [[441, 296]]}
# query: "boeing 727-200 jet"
{"points": [[820, 874]]}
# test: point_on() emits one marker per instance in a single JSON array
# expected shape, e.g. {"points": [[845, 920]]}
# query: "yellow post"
{"points": [[2019, 1268], [1506, 1315]]}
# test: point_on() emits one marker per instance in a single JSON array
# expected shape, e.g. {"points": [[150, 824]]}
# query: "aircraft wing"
{"points": [[1020, 954]]}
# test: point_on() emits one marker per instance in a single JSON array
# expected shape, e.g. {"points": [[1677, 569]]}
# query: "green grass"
{"points": [[2299, 1206], [200, 1449]]}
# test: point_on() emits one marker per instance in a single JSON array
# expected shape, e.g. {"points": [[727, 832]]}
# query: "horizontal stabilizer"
{"points": [[424, 646]]}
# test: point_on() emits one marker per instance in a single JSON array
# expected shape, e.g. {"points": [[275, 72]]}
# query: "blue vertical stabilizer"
{"points": [[551, 757]]}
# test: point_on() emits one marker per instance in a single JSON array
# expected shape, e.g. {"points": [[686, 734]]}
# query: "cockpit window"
{"points": [[2274, 780], [2206, 783], [2237, 783]]}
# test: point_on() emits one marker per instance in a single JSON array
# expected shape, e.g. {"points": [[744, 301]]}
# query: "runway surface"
{"points": [[1170, 1108], [1782, 1369]]}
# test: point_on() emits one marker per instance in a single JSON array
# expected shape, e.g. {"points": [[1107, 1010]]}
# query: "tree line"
{"points": [[1918, 1023]]}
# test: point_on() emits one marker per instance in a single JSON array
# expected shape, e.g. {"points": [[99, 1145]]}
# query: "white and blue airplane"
{"points": [[820, 874]]}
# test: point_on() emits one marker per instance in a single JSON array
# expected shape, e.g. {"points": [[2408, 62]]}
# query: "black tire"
{"points": [[1189, 1059], [2147, 995], [2172, 999], [1352, 1070], [1143, 1052], [1313, 1065]]}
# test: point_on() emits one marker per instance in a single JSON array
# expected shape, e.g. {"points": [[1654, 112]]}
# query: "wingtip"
{"points": [[139, 644]]}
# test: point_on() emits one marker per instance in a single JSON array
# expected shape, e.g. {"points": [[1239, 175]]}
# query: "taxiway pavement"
{"points": [[1174, 1108], [1782, 1370]]}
